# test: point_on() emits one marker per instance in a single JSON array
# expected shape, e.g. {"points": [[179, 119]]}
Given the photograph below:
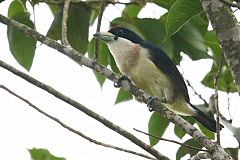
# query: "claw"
{"points": [[152, 99], [119, 80]]}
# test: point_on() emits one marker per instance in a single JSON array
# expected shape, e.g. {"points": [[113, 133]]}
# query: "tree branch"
{"points": [[64, 22], [85, 110], [200, 156], [98, 28], [212, 147], [71, 129], [172, 141], [57, 2], [215, 79], [196, 93], [228, 30]]}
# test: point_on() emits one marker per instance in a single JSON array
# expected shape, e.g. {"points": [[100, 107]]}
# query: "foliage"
{"points": [[181, 12], [183, 28], [21, 46], [42, 154], [233, 152], [123, 96], [78, 24], [157, 126], [182, 151]]}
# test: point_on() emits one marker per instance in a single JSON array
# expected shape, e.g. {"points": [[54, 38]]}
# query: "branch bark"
{"points": [[64, 22], [200, 156], [71, 129], [85, 110], [214, 149], [103, 4], [228, 32], [172, 141], [215, 82]]}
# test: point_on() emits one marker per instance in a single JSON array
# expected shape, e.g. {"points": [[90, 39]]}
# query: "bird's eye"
{"points": [[116, 37]]}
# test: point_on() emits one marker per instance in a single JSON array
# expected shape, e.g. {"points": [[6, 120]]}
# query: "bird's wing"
{"points": [[165, 64]]}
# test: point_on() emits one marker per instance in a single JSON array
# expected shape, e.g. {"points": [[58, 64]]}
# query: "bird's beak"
{"points": [[104, 36]]}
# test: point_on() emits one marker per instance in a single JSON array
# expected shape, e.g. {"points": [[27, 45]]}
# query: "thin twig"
{"points": [[228, 106], [215, 79], [196, 93], [173, 141], [98, 28], [64, 22], [71, 129], [57, 2], [85, 110]]}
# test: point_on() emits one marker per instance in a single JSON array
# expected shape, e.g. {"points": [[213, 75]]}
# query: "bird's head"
{"points": [[117, 34]]}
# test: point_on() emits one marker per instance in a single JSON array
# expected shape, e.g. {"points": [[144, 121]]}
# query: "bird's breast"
{"points": [[126, 56], [147, 76]]}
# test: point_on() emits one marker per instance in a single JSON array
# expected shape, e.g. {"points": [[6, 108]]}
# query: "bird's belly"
{"points": [[154, 82]]}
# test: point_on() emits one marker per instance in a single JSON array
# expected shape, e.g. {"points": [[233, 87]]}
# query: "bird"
{"points": [[150, 69]]}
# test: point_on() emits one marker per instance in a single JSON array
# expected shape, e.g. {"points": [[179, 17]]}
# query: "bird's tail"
{"points": [[206, 120]]}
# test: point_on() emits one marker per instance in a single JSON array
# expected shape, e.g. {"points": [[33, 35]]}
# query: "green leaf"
{"points": [[42, 154], [179, 132], [225, 81], [123, 95], [182, 151], [93, 17], [210, 39], [233, 152], [16, 7], [55, 31], [103, 54], [77, 26], [190, 119], [200, 21], [190, 41], [100, 78], [90, 49], [34, 2], [157, 125], [54, 8], [164, 3], [154, 30], [206, 132], [24, 3], [180, 13], [131, 11], [113, 64], [21, 46], [104, 58]]}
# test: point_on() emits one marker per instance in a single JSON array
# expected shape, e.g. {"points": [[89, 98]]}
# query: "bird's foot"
{"points": [[152, 99], [119, 80]]}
